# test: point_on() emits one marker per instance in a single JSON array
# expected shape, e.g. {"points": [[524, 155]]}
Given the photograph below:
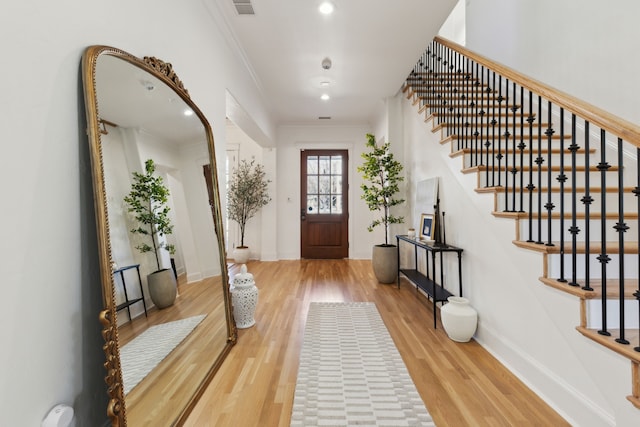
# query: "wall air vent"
{"points": [[244, 7]]}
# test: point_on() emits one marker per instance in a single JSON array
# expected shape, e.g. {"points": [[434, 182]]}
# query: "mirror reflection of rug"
{"points": [[140, 356], [351, 372]]}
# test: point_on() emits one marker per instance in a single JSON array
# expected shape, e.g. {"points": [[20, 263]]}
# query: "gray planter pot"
{"points": [[385, 263], [162, 288]]}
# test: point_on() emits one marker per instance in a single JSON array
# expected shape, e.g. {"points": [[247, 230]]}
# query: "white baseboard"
{"points": [[572, 405]]}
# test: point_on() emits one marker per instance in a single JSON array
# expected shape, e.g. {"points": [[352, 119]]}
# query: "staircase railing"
{"points": [[567, 169]]}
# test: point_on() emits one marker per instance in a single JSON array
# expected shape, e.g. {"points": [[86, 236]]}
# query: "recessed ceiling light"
{"points": [[188, 112], [326, 8], [324, 83], [325, 97]]}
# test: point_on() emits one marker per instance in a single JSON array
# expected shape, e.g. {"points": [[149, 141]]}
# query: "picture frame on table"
{"points": [[427, 226]]}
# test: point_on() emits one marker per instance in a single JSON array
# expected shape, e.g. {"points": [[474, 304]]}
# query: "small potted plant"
{"points": [[148, 201], [382, 175], [246, 196]]}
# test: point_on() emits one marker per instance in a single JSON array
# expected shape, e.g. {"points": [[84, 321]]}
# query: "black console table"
{"points": [[127, 302], [427, 280]]}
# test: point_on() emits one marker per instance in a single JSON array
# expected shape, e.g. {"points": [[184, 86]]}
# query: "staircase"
{"points": [[564, 171]]}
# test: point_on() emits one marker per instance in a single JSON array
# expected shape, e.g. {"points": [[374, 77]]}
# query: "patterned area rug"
{"points": [[351, 372], [141, 355]]}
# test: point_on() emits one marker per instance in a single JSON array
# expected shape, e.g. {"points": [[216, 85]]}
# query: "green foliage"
{"points": [[147, 199], [382, 172], [247, 193]]}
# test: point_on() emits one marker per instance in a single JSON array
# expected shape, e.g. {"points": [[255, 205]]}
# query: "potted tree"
{"points": [[246, 196], [148, 201], [382, 175]]}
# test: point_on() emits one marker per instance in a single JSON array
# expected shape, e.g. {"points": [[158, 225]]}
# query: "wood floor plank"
{"points": [[460, 383]]}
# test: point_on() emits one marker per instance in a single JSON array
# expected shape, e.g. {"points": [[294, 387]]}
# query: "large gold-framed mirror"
{"points": [[158, 361]]}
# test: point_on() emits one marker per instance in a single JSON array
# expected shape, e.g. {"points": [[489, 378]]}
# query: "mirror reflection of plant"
{"points": [[148, 200], [382, 171], [247, 193]]}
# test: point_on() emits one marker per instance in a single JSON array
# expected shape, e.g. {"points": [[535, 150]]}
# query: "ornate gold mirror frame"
{"points": [[99, 124]]}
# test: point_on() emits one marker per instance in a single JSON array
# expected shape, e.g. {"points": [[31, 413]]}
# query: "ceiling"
{"points": [[372, 44]]}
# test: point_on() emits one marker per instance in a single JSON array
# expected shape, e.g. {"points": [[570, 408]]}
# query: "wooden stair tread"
{"points": [[501, 124], [545, 138], [567, 189], [613, 288], [483, 168], [612, 247], [526, 151], [567, 215], [609, 341]]}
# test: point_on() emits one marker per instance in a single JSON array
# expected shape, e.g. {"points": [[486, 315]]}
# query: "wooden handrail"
{"points": [[617, 126]]}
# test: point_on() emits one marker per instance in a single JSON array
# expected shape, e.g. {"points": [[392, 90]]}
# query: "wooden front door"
{"points": [[324, 210]]}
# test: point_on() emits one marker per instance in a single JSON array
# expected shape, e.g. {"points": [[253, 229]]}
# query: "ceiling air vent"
{"points": [[324, 118], [244, 7]]}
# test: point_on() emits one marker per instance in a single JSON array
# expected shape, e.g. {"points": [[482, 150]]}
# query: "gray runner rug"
{"points": [[351, 372], [141, 355]]}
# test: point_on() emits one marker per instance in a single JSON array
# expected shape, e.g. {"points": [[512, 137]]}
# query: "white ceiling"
{"points": [[373, 45]]}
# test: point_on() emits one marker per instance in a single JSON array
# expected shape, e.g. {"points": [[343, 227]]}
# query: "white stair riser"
{"points": [[630, 201], [594, 314], [595, 268], [595, 229]]}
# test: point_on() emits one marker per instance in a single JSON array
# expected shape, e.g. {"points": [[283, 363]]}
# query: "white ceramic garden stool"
{"points": [[244, 296], [459, 319]]}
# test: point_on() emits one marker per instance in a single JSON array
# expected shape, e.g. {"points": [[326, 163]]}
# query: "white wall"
{"points": [[583, 47], [49, 328]]}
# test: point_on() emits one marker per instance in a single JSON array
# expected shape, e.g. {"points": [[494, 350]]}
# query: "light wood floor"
{"points": [[160, 397], [461, 384]]}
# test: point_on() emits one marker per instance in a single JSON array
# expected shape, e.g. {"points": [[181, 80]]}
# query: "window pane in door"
{"points": [[312, 165], [336, 204], [325, 204], [312, 204], [336, 165], [312, 184], [324, 165], [325, 185], [336, 184]]}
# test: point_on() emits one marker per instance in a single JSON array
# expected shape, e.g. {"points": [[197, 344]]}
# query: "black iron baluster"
{"points": [[621, 228], [561, 178], [521, 146], [549, 206], [507, 134], [468, 106], [586, 201], [482, 143], [539, 162], [530, 186], [604, 259], [493, 132], [499, 148], [574, 229], [476, 118], [636, 192]]}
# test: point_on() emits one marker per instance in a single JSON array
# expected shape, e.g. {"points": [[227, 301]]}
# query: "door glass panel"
{"points": [[325, 165], [336, 204], [325, 204], [324, 184], [336, 184], [336, 165], [312, 204], [312, 184], [312, 165]]}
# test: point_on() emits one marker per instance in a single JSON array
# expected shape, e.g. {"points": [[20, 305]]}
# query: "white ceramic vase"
{"points": [[459, 319], [241, 254], [244, 296]]}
